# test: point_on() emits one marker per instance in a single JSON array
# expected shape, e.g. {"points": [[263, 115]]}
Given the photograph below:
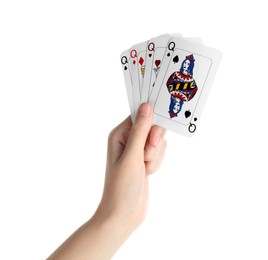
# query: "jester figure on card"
{"points": [[181, 86]]}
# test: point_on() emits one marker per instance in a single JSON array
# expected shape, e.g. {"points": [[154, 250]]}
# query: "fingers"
{"points": [[139, 132], [155, 149], [155, 162], [156, 136], [147, 141]]}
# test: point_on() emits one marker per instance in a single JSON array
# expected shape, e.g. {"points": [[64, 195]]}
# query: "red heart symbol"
{"points": [[157, 63]]}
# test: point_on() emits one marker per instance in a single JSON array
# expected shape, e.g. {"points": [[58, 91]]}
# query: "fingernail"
{"points": [[145, 110]]}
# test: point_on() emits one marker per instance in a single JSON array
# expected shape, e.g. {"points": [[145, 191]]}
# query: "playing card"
{"points": [[137, 56], [133, 70], [194, 39], [156, 49], [128, 81], [181, 88]]}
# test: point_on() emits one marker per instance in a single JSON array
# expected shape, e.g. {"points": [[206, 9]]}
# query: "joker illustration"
{"points": [[181, 86]]}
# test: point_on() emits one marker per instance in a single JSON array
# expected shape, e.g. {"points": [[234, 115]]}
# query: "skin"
{"points": [[134, 152]]}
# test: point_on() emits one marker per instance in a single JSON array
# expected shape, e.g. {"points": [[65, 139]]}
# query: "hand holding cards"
{"points": [[174, 74]]}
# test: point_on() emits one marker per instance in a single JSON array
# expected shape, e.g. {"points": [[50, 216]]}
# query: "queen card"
{"points": [[181, 91]]}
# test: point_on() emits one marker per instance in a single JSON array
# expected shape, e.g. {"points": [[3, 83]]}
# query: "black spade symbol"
{"points": [[125, 68], [187, 113], [176, 59], [168, 54], [195, 119]]}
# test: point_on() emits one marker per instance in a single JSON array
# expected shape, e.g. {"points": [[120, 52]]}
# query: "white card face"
{"points": [[156, 48], [183, 84], [194, 39], [128, 81], [141, 59], [137, 54]]}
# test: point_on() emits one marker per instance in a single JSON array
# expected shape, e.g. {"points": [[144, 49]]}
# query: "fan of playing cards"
{"points": [[172, 73]]}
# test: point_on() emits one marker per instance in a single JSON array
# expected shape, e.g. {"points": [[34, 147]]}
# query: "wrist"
{"points": [[109, 231], [113, 222], [123, 219]]}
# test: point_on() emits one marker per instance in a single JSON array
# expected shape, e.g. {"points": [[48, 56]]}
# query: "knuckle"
{"points": [[137, 130], [147, 155], [111, 136], [164, 145], [151, 167]]}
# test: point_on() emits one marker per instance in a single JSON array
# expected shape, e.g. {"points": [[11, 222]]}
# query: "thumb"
{"points": [[139, 131]]}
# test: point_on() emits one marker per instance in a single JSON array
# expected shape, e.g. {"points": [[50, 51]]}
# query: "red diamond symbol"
{"points": [[134, 62], [141, 60]]}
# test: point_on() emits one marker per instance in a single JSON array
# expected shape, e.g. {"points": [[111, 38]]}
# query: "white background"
{"points": [[62, 91]]}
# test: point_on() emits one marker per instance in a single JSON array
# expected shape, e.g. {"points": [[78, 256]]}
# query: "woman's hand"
{"points": [[134, 152]]}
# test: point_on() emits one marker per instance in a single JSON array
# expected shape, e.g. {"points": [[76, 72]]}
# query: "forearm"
{"points": [[97, 239]]}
